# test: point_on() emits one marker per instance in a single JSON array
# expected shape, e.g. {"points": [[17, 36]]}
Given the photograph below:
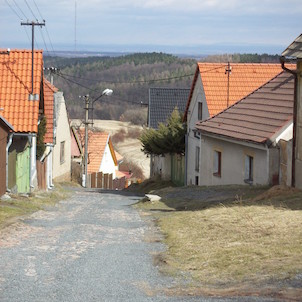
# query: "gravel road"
{"points": [[90, 247]]}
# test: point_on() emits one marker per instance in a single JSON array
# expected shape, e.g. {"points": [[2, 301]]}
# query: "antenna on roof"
{"points": [[228, 71]]}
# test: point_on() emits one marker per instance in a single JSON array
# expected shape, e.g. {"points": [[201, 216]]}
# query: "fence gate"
{"points": [[105, 181]]}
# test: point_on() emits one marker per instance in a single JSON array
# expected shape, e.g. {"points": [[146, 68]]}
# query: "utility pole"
{"points": [[33, 24], [228, 70], [84, 181], [52, 70]]}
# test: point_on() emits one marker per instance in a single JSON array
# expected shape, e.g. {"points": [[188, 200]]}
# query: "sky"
{"points": [[175, 26]]}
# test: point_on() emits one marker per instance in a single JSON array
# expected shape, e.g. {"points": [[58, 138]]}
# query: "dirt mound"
{"points": [[277, 191]]}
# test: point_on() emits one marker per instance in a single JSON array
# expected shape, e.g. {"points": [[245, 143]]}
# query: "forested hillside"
{"points": [[130, 78]]}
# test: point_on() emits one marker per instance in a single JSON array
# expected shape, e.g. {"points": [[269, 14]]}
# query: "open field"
{"points": [[130, 148], [241, 238]]}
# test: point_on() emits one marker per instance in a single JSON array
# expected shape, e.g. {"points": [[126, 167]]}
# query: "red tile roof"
{"points": [[49, 91], [15, 88], [97, 142], [243, 79], [260, 116]]}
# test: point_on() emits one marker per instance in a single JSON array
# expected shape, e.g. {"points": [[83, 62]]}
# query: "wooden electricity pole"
{"points": [[33, 24]]}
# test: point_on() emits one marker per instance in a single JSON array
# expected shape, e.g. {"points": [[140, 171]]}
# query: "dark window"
{"points": [[196, 180], [197, 152], [248, 170], [217, 163], [199, 111]]}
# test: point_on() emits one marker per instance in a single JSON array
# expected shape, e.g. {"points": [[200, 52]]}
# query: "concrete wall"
{"points": [[233, 162], [161, 166], [298, 155], [192, 142], [61, 170], [107, 164]]}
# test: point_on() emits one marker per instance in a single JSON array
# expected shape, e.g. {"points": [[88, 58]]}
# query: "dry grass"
{"points": [[20, 205], [256, 240]]}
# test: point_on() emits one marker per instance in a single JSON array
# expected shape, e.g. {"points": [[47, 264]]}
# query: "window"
{"points": [[248, 170], [196, 180], [199, 111], [197, 152], [217, 164], [62, 152]]}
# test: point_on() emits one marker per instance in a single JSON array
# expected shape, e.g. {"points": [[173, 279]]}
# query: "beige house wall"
{"points": [[61, 168], [298, 155], [265, 162], [193, 141]]}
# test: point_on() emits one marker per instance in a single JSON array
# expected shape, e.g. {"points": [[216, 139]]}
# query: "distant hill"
{"points": [[130, 77]]}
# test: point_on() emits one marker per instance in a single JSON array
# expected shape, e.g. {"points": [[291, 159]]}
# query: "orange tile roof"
{"points": [[49, 91], [15, 87], [97, 142], [244, 79]]}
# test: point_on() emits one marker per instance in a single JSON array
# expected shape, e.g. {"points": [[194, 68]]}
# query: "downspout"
{"points": [[10, 140], [295, 73]]}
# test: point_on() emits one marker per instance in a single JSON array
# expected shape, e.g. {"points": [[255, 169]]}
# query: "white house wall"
{"points": [[107, 164], [61, 169], [233, 163], [192, 118], [161, 166]]}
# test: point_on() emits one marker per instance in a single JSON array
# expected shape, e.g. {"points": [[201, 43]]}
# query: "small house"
{"points": [[215, 87], [240, 144]]}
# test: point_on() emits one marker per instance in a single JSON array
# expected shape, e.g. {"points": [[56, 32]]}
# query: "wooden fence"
{"points": [[105, 181], [41, 174]]}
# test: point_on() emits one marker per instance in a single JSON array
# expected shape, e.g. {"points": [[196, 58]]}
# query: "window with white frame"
{"points": [[248, 169], [217, 164]]}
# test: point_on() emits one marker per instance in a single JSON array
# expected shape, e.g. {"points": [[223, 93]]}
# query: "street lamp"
{"points": [[106, 92]]}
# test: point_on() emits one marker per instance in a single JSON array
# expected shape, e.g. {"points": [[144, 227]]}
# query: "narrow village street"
{"points": [[89, 247]]}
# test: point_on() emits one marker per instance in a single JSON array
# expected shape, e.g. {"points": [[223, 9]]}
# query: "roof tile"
{"points": [[243, 79], [15, 87], [255, 118]]}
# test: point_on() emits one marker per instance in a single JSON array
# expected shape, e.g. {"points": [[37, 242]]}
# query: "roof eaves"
{"points": [[221, 136], [197, 72]]}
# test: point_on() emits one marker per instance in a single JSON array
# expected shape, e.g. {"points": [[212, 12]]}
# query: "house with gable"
{"points": [[21, 98], [57, 154], [101, 154], [58, 135], [215, 87], [293, 53], [162, 102], [240, 144]]}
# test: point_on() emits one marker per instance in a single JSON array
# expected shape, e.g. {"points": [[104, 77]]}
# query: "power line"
{"points": [[130, 82], [30, 10], [20, 10], [38, 9], [14, 11]]}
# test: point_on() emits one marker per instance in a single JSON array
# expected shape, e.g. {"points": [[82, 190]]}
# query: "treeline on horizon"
{"points": [[130, 78]]}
